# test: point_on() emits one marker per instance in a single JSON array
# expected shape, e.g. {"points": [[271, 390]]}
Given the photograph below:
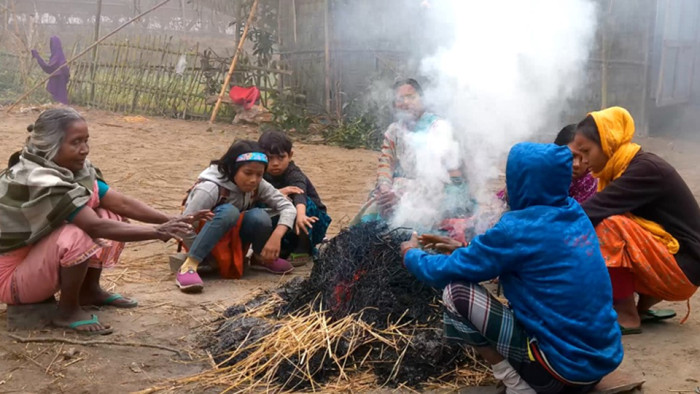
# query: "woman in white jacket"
{"points": [[232, 187]]}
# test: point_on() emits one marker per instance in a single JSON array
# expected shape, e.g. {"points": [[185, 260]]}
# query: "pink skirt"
{"points": [[31, 274]]}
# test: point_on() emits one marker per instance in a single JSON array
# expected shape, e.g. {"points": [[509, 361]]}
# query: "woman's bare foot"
{"points": [[100, 297], [627, 315], [81, 321]]}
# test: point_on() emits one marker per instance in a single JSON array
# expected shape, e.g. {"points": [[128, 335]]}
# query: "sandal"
{"points": [[299, 259], [629, 331], [655, 315], [74, 326], [118, 301]]}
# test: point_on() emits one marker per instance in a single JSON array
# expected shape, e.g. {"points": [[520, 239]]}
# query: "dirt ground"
{"points": [[156, 160]]}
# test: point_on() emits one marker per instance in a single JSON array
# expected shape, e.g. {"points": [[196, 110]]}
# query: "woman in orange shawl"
{"points": [[645, 216]]}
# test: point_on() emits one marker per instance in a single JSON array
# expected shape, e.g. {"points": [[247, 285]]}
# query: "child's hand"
{"points": [[304, 222], [386, 200], [271, 250], [202, 215], [442, 244], [410, 244], [287, 191]]}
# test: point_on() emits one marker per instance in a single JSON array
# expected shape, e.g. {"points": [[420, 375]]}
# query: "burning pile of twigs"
{"points": [[360, 320]]}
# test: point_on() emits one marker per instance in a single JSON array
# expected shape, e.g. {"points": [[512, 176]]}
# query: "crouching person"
{"points": [[560, 334], [231, 187]]}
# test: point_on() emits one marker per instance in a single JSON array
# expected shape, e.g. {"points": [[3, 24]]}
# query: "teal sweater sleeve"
{"points": [[102, 188]]}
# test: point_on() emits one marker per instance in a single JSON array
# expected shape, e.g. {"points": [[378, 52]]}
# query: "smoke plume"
{"points": [[504, 76]]}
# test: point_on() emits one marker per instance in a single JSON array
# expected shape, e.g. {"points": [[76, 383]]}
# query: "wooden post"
{"points": [[327, 53], [648, 39], [6, 19], [98, 19], [294, 19], [113, 32], [233, 62], [604, 58]]}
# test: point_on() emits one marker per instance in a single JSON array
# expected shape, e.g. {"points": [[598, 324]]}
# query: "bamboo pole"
{"points": [[233, 62], [294, 20], [110, 34], [141, 71], [604, 52], [648, 38], [327, 58], [6, 20], [193, 81], [98, 19]]}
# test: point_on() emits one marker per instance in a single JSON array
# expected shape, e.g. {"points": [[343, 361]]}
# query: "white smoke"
{"points": [[505, 76]]}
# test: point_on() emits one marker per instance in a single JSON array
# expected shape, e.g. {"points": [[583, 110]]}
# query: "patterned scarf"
{"points": [[36, 197]]}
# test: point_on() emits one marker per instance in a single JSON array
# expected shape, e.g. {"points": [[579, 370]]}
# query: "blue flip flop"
{"points": [[110, 301], [74, 326]]}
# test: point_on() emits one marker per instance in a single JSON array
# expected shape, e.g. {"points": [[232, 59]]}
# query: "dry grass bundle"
{"points": [[359, 315], [311, 352]]}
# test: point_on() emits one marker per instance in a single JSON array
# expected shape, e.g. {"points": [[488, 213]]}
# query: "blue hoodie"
{"points": [[547, 256]]}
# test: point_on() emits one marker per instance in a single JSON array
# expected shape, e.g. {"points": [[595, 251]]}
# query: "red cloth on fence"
{"points": [[245, 97]]}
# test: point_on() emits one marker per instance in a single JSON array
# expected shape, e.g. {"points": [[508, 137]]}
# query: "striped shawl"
{"points": [[37, 196]]}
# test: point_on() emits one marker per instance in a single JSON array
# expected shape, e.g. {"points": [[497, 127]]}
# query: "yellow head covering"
{"points": [[616, 129]]}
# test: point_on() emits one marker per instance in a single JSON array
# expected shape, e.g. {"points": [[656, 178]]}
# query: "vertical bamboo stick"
{"points": [[123, 72], [71, 83], [193, 81], [224, 86], [109, 80], [327, 59], [294, 20], [6, 20], [156, 45], [139, 72], [98, 19], [172, 81]]}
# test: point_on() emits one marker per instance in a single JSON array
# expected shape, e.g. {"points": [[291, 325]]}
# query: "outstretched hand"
{"points": [[203, 215], [289, 190], [175, 228], [439, 243], [386, 199], [304, 223], [410, 244]]}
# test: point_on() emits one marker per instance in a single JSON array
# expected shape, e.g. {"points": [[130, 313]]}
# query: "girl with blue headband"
{"points": [[231, 187]]}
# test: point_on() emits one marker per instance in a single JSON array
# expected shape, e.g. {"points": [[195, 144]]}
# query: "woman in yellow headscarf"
{"points": [[645, 216]]}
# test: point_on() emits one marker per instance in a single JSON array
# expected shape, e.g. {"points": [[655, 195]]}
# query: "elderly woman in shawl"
{"points": [[406, 138], [62, 224], [58, 84], [645, 216]]}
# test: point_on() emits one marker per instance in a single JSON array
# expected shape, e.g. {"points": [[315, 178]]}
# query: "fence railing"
{"points": [[154, 75]]}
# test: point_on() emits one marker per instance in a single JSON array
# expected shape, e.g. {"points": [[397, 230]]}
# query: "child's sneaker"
{"points": [[279, 266], [189, 282]]}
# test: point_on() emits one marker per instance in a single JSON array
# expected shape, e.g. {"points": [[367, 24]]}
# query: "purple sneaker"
{"points": [[279, 266], [189, 282]]}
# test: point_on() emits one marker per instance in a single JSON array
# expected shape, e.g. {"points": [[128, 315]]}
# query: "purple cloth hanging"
{"points": [[58, 84]]}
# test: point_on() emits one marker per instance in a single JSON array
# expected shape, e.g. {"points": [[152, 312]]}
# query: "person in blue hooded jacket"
{"points": [[560, 334]]}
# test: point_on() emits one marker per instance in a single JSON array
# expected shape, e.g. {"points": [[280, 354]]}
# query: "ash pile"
{"points": [[360, 321]]}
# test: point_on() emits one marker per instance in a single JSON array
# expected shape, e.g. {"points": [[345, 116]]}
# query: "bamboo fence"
{"points": [[138, 74]]}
